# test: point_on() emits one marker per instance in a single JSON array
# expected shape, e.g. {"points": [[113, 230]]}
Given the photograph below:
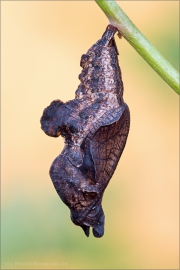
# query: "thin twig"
{"points": [[130, 32]]}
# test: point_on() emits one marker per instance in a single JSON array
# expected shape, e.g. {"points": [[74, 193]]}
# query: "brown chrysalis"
{"points": [[95, 127]]}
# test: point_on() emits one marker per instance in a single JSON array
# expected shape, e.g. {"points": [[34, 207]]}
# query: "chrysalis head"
{"points": [[91, 216]]}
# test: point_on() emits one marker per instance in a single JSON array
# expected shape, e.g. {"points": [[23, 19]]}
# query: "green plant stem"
{"points": [[138, 41]]}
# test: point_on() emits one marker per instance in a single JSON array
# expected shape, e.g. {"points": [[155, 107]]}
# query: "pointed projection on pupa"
{"points": [[95, 127]]}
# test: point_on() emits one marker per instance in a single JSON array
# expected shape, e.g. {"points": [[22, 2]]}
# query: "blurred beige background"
{"points": [[42, 42]]}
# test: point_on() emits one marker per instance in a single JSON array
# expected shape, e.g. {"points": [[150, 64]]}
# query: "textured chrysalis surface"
{"points": [[95, 127]]}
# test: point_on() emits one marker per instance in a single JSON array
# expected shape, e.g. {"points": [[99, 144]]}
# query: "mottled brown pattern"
{"points": [[95, 127]]}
